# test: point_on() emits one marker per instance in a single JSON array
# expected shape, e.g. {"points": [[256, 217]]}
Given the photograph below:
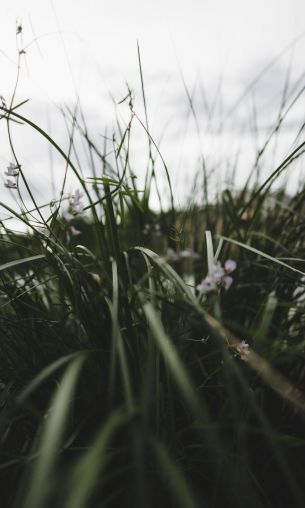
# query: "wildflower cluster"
{"points": [[12, 170], [219, 277]]}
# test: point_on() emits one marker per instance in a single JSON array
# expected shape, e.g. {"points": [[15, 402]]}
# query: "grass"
{"points": [[122, 385]]}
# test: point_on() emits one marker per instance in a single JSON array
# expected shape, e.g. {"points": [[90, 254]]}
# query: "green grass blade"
{"points": [[51, 439], [43, 376], [177, 483], [263, 254], [17, 262], [89, 468], [172, 359]]}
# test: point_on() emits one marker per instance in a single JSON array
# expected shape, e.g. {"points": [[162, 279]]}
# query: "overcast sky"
{"points": [[88, 49]]}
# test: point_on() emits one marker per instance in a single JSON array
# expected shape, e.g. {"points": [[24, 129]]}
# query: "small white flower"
{"points": [[10, 184], [243, 350], [12, 170]]}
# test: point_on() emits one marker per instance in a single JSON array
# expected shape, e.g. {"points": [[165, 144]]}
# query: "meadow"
{"points": [[151, 358]]}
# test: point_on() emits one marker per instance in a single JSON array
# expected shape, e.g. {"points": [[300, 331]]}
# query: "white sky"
{"points": [[89, 48]]}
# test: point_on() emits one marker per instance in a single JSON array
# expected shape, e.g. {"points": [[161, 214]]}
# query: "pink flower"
{"points": [[12, 170], [77, 195], [227, 281], [218, 272], [243, 350], [77, 205], [230, 265], [67, 216], [78, 208], [10, 184], [218, 277], [206, 286]]}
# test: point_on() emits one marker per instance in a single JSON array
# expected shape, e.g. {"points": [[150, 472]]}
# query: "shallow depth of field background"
{"points": [[86, 52], [152, 259]]}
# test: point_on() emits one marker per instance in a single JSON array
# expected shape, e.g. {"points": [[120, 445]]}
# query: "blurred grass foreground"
{"points": [[150, 358]]}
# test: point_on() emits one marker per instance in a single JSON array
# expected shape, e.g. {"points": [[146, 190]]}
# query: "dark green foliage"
{"points": [[120, 385]]}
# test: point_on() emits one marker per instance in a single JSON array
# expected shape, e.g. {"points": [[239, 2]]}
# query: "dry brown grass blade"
{"points": [[279, 383]]}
